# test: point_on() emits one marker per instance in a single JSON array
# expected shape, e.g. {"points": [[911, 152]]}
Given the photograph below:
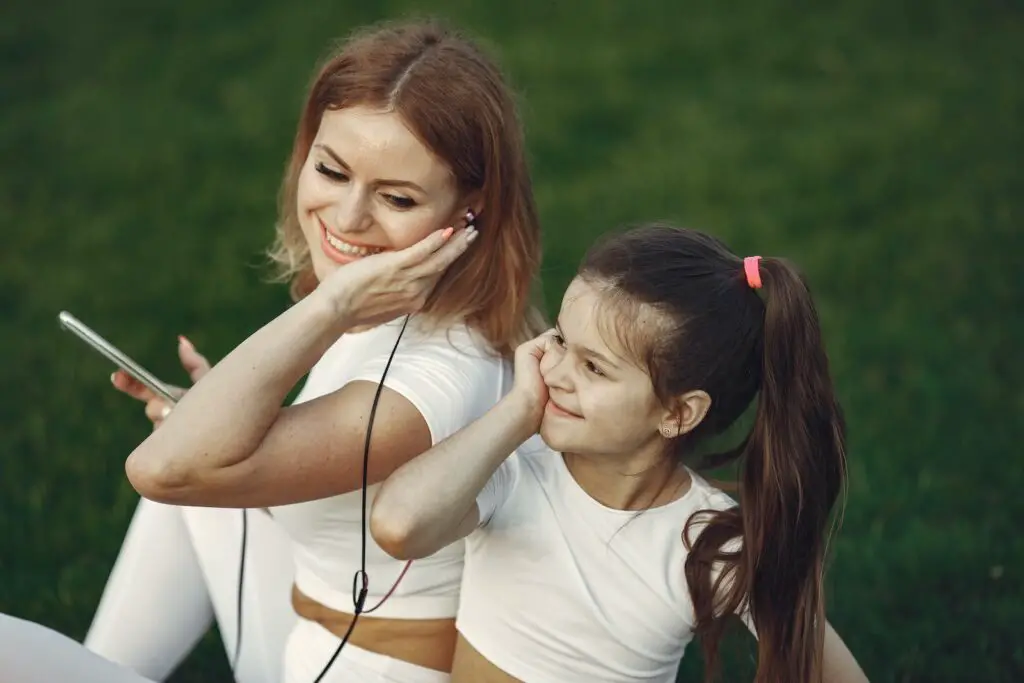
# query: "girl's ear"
{"points": [[685, 414]]}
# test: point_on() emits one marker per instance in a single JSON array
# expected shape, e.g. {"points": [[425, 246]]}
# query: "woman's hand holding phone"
{"points": [[156, 407]]}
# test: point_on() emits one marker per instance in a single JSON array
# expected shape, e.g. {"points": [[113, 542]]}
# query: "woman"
{"points": [[409, 153], [596, 554]]}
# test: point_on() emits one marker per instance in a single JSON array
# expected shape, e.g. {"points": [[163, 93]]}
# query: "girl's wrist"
{"points": [[522, 414]]}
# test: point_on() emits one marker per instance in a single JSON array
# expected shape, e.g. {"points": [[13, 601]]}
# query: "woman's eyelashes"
{"points": [[325, 170], [396, 201]]}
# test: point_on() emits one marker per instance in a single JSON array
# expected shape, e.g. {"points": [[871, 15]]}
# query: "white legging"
{"points": [[30, 653], [178, 568]]}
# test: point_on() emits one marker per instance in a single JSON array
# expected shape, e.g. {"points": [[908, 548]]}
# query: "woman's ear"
{"points": [[687, 411], [471, 206]]}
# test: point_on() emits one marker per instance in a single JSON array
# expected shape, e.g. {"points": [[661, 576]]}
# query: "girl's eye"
{"points": [[594, 369], [399, 202], [558, 339], [325, 170]]}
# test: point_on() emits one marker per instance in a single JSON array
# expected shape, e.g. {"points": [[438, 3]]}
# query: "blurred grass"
{"points": [[876, 144]]}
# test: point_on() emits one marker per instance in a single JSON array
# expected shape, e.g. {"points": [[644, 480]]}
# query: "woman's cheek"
{"points": [[405, 230]]}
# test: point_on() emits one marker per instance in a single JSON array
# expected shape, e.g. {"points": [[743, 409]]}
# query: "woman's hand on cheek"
{"points": [[379, 288]]}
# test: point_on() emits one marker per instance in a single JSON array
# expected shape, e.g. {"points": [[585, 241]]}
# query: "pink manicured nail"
{"points": [[185, 342], [447, 233]]}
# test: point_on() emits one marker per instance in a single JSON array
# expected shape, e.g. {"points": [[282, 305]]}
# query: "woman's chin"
{"points": [[323, 267]]}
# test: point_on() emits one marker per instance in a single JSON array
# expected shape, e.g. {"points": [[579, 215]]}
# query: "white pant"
{"points": [[310, 646], [30, 653], [178, 568]]}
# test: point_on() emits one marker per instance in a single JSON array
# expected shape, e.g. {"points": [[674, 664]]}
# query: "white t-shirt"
{"points": [[558, 588], [452, 378]]}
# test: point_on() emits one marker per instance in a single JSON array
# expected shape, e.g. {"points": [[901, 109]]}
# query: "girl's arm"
{"points": [[838, 663], [430, 502], [230, 443]]}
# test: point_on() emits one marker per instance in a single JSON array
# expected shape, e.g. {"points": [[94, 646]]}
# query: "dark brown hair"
{"points": [[454, 98], [719, 335]]}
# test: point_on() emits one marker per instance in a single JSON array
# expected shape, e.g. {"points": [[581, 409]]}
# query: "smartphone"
{"points": [[115, 355]]}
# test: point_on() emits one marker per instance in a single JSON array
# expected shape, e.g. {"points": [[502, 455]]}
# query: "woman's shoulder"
{"points": [[457, 339]]}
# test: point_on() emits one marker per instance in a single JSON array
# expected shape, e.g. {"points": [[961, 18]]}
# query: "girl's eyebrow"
{"points": [[587, 350]]}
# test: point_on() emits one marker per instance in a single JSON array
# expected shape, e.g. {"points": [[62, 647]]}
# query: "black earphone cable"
{"points": [[241, 582], [360, 581]]}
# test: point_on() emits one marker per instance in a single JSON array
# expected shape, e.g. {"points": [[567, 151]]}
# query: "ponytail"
{"points": [[793, 469], [765, 559]]}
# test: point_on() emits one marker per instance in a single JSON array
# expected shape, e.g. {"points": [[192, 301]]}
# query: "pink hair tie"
{"points": [[750, 267]]}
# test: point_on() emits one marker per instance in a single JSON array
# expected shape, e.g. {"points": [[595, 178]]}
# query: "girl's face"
{"points": [[601, 401], [370, 185]]}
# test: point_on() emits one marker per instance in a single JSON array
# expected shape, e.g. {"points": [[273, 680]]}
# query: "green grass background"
{"points": [[877, 143]]}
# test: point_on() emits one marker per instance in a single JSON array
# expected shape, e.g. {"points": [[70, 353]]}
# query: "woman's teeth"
{"points": [[350, 249]]}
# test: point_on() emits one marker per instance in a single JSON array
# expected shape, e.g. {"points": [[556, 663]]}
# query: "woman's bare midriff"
{"points": [[425, 642], [472, 667]]}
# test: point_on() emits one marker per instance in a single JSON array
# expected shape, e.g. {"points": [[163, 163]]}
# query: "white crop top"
{"points": [[452, 378], [558, 588]]}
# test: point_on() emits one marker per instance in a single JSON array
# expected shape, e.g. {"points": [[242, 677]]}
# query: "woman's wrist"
{"points": [[333, 301]]}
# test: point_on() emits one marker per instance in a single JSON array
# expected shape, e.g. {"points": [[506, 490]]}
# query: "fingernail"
{"points": [[165, 412], [185, 342], [113, 378], [447, 232], [471, 234]]}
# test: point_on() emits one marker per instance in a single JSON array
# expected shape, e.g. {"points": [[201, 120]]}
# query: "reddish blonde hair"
{"points": [[455, 100]]}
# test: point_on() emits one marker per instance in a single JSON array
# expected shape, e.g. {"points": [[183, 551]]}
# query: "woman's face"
{"points": [[370, 185]]}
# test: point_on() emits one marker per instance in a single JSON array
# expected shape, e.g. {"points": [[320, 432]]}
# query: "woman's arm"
{"points": [[230, 443]]}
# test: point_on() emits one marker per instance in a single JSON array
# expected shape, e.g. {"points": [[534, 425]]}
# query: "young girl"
{"points": [[597, 553]]}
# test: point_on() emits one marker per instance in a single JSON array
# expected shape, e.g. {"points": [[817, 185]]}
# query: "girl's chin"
{"points": [[554, 436]]}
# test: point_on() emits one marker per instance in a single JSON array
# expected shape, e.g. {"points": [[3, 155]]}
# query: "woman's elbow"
{"points": [[156, 479], [394, 533]]}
